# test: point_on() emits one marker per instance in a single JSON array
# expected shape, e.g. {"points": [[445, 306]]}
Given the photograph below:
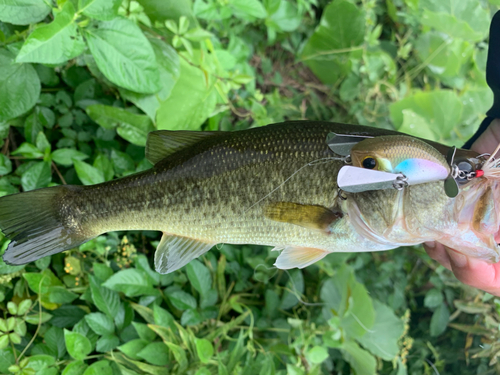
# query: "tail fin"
{"points": [[35, 223]]}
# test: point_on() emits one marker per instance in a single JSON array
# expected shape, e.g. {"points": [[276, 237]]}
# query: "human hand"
{"points": [[472, 271]]}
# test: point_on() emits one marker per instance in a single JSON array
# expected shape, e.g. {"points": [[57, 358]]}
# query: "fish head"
{"points": [[418, 161]]}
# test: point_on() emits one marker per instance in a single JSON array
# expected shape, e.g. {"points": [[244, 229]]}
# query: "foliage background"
{"points": [[82, 82]]}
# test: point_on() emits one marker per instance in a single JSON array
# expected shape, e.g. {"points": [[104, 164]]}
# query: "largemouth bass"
{"points": [[274, 185]]}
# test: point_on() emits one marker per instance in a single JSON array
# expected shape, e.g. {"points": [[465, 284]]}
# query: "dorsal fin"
{"points": [[162, 143]]}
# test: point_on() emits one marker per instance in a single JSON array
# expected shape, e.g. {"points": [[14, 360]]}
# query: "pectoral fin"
{"points": [[175, 252], [308, 216], [298, 257]]}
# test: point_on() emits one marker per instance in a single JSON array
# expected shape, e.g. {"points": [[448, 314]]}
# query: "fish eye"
{"points": [[369, 163]]}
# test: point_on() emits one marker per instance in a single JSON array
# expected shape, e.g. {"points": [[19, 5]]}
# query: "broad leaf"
{"points": [[442, 109], [439, 320], [205, 350], [132, 282], [124, 55], [106, 300], [132, 127], [132, 347], [342, 28], [155, 353], [23, 12], [88, 174], [458, 18], [100, 323], [19, 86], [66, 156], [361, 361], [104, 10], [55, 43], [78, 345], [37, 176], [199, 276], [192, 100], [382, 338], [169, 64], [181, 300], [99, 368]]}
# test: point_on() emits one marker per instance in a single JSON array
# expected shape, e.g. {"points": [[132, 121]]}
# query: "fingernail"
{"points": [[430, 244], [457, 259]]}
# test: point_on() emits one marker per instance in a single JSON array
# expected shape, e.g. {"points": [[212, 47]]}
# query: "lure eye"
{"points": [[369, 163]]}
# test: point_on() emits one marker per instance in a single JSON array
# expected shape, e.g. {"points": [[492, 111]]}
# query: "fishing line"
{"points": [[314, 162]]}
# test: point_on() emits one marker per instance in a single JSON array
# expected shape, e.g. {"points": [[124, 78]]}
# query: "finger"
{"points": [[489, 140], [437, 252], [475, 272]]}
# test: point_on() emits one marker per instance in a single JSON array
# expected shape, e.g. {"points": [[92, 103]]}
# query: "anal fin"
{"points": [[304, 215], [299, 257], [175, 252]]}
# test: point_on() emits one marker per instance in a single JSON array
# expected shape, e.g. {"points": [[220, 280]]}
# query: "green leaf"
{"points": [[132, 282], [382, 338], [461, 19], [87, 174], [104, 10], [99, 368], [433, 298], [155, 353], [5, 165], [78, 345], [285, 18], [181, 300], [179, 354], [191, 317], [295, 288], [252, 8], [100, 323], [106, 300], [169, 64], [199, 276], [442, 109], [162, 317], [342, 28], [144, 331], [361, 361], [445, 57], [107, 342], [122, 162], [133, 347], [439, 320], [66, 156], [317, 354], [40, 361], [28, 151], [54, 338], [59, 294], [417, 126], [55, 43], [67, 316], [19, 86], [192, 100], [36, 176], [205, 350], [23, 12], [132, 127], [124, 55], [75, 368]]}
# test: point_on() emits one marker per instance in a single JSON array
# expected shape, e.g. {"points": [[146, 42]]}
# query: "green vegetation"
{"points": [[83, 82]]}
